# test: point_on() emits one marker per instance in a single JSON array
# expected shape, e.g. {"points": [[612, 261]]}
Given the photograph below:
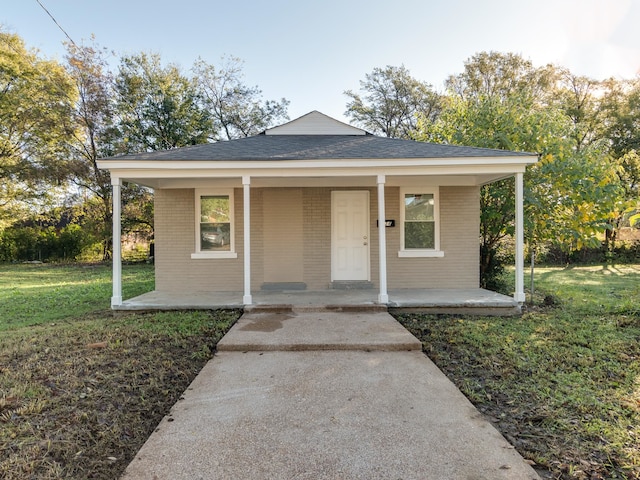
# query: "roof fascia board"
{"points": [[364, 163], [505, 169]]}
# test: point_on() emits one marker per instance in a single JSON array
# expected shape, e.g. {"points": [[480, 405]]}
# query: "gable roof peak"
{"points": [[315, 123]]}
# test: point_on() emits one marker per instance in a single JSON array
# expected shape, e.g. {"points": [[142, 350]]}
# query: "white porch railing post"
{"points": [[519, 295], [246, 185], [383, 296], [116, 298]]}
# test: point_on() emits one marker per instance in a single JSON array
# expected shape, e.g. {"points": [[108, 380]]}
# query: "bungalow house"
{"points": [[316, 204]]}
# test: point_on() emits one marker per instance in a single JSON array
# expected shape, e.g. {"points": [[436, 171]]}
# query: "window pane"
{"points": [[419, 235], [215, 209], [418, 207], [215, 236]]}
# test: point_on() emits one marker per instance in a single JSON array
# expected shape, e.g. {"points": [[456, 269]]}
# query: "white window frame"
{"points": [[199, 253], [421, 252]]}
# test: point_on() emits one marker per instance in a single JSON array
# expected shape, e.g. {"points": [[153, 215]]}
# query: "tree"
{"points": [[36, 99], [629, 174], [497, 102], [137, 210], [158, 108], [93, 136], [571, 200], [502, 101], [499, 75], [55, 123], [577, 186], [392, 102], [578, 97], [237, 110], [621, 105]]}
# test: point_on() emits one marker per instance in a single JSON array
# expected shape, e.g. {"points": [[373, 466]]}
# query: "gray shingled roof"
{"points": [[317, 147]]}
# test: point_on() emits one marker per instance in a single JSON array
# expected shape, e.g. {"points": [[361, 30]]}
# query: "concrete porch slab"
{"points": [[448, 301], [471, 301]]}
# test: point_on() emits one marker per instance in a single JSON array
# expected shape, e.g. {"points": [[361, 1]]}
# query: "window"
{"points": [[420, 229], [214, 225]]}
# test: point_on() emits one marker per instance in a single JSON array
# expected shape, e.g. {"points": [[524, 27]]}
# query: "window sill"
{"points": [[420, 253], [208, 255]]}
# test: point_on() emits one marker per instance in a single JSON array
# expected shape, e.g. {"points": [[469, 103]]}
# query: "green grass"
{"points": [[81, 389], [593, 290], [32, 294], [562, 382]]}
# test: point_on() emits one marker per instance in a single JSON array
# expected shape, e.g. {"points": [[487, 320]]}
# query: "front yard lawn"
{"points": [[562, 383], [81, 388]]}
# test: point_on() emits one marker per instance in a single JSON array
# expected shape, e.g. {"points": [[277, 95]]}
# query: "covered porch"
{"points": [[434, 301], [436, 298], [457, 294]]}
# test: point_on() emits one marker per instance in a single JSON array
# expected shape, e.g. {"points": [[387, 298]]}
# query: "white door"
{"points": [[350, 235]]}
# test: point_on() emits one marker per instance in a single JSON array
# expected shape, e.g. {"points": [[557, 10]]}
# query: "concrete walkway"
{"points": [[276, 403]]}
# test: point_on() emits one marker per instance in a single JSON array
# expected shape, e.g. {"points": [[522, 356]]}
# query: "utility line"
{"points": [[56, 22]]}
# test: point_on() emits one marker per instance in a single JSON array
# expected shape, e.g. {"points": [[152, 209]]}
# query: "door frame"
{"points": [[367, 233]]}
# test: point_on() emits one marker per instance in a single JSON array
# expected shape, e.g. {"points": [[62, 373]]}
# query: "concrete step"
{"points": [[351, 285], [318, 330], [291, 308]]}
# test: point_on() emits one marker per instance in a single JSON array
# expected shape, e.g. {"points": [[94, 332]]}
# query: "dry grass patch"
{"points": [[80, 397]]}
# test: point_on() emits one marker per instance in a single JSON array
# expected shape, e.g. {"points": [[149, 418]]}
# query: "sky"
{"points": [[310, 52]]}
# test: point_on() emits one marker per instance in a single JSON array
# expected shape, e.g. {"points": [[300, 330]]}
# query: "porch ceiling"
{"points": [[318, 181]]}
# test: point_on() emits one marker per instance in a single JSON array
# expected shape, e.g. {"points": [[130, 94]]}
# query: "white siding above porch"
{"points": [[315, 123]]}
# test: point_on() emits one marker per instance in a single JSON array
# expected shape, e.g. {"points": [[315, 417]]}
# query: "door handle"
{"points": [[364, 243]]}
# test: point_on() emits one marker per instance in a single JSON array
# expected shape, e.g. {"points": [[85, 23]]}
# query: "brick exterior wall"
{"points": [[459, 233], [316, 210], [282, 229], [175, 242]]}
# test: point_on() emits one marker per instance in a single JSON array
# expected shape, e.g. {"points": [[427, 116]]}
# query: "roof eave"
{"points": [[364, 163]]}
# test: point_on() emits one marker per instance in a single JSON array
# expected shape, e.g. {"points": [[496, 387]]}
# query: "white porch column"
{"points": [[519, 295], [246, 184], [116, 297], [383, 296]]}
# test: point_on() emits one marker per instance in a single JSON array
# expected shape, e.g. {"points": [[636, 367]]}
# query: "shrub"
{"points": [[43, 243], [492, 269], [71, 241], [624, 252], [19, 244]]}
